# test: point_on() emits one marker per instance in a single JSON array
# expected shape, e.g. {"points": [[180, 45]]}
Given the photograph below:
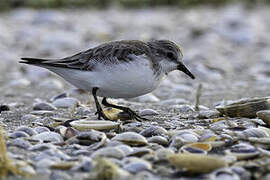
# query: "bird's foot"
{"points": [[101, 114], [133, 115]]}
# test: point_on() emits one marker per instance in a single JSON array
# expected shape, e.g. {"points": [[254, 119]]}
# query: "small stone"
{"points": [[29, 117], [66, 103], [135, 167], [42, 113], [18, 134], [148, 112], [159, 140], [41, 129], [48, 137], [86, 165], [162, 153], [153, 131], [4, 108], [130, 138], [211, 114], [184, 108], [264, 115], [44, 106], [44, 163], [27, 130], [60, 176], [41, 147], [20, 143], [109, 152]]}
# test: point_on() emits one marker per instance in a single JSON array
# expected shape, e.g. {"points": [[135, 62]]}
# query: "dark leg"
{"points": [[131, 113], [99, 109]]}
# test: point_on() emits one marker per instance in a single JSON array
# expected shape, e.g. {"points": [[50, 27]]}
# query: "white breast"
{"points": [[123, 80]]}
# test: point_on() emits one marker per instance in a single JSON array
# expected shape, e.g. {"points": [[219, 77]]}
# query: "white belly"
{"points": [[125, 80]]}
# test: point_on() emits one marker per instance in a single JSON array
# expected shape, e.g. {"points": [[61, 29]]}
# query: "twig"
{"points": [[197, 98]]}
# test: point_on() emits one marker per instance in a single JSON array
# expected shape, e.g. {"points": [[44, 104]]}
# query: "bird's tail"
{"points": [[34, 61]]}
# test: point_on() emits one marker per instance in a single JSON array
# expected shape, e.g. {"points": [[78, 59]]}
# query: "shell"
{"points": [[245, 107], [109, 152], [130, 138], [153, 131], [242, 151], [260, 132], [85, 125], [197, 148], [264, 115], [93, 138], [196, 163], [159, 140]]}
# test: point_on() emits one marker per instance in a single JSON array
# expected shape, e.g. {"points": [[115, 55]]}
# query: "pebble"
{"points": [[18, 134], [148, 112], [27, 130], [4, 108], [154, 131], [41, 147], [43, 106], [60, 176], [41, 129], [109, 152], [135, 167], [86, 165], [159, 140], [67, 102], [20, 143], [265, 116], [210, 114], [48, 137], [130, 138], [29, 117]]}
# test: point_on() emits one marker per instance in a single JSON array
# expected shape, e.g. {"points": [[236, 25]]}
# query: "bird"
{"points": [[118, 69]]}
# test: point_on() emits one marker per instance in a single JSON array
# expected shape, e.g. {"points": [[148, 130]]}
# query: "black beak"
{"points": [[183, 68]]}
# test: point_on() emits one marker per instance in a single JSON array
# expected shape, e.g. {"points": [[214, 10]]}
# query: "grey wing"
{"points": [[81, 61]]}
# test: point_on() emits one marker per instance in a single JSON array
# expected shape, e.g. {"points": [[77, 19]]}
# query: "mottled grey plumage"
{"points": [[113, 53], [119, 69]]}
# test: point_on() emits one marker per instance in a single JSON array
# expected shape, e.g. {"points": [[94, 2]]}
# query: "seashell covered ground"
{"points": [[216, 127]]}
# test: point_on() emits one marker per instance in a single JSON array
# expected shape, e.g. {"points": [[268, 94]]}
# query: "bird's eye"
{"points": [[170, 55]]}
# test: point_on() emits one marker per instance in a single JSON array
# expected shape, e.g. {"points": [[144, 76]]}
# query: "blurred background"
{"points": [[225, 43]]}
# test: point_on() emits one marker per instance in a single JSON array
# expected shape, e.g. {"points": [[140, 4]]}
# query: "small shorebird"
{"points": [[119, 69]]}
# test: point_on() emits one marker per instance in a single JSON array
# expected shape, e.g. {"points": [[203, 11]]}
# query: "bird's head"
{"points": [[169, 56]]}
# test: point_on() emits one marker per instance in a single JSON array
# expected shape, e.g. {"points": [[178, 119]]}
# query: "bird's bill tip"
{"points": [[184, 69]]}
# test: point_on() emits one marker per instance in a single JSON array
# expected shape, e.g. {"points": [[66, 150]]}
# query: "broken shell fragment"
{"points": [[85, 125], [245, 107], [196, 163]]}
